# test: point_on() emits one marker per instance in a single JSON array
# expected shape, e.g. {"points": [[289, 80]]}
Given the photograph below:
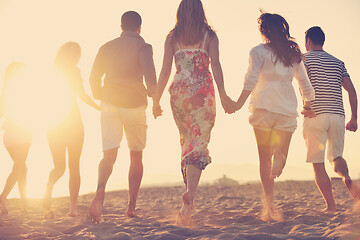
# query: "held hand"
{"points": [[157, 111], [227, 104], [232, 107], [352, 125], [308, 113]]}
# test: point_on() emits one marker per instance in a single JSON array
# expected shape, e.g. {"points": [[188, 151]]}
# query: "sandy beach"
{"points": [[222, 212]]}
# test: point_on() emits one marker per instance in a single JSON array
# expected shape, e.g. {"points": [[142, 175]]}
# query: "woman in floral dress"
{"points": [[192, 43]]}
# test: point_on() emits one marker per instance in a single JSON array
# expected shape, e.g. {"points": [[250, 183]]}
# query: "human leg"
{"points": [[281, 142], [18, 174], [58, 152], [335, 151], [341, 168], [135, 177], [74, 153], [324, 184], [263, 140], [104, 172], [193, 174], [135, 127], [22, 179]]}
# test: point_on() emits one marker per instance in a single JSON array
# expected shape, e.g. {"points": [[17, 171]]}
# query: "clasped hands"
{"points": [[229, 105]]}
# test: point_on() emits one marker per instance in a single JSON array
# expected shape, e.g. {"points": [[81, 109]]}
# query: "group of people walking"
{"points": [[117, 81]]}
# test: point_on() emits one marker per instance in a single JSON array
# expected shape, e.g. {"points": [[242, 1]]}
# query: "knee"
{"points": [[19, 167], [319, 168], [59, 170], [136, 157], [74, 171]]}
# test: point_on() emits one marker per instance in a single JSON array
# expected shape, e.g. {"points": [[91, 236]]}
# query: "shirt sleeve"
{"points": [[253, 72], [148, 68], [344, 71], [97, 72], [307, 91]]}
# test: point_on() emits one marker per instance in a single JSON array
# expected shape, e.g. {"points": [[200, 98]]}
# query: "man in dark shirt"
{"points": [[117, 80]]}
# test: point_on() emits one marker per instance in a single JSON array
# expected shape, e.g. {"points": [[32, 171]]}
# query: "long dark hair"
{"points": [[191, 23], [275, 31]]}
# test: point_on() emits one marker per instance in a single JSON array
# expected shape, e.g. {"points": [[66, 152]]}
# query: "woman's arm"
{"points": [[251, 77], [306, 89], [242, 99], [226, 102], [164, 76]]}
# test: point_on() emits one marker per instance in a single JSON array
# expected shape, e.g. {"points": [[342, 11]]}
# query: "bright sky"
{"points": [[32, 32]]}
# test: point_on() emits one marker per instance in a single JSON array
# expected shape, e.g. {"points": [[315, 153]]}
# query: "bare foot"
{"points": [[269, 212], [73, 212], [95, 209], [184, 215], [47, 201], [130, 212], [353, 189], [4, 210], [329, 209], [278, 163], [49, 214], [356, 208]]}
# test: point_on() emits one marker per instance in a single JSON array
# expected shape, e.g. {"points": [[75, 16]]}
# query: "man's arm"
{"points": [[97, 72], [349, 87], [148, 68]]}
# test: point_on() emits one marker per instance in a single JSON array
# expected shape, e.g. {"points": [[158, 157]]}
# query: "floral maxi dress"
{"points": [[192, 99]]}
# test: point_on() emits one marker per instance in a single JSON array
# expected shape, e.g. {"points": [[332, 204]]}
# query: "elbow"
{"points": [[164, 75], [215, 64]]}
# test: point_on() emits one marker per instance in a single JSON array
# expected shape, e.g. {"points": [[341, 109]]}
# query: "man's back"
{"points": [[124, 61], [326, 73]]}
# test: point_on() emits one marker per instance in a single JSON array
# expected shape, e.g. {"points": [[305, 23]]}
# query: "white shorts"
{"points": [[321, 132], [266, 120], [114, 119]]}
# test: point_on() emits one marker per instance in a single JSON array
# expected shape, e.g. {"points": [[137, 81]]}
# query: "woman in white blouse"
{"points": [[273, 104]]}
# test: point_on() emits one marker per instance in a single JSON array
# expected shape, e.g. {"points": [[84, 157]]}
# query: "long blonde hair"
{"points": [[67, 55], [191, 23]]}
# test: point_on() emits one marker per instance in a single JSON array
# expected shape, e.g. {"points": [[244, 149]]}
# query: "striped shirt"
{"points": [[326, 73]]}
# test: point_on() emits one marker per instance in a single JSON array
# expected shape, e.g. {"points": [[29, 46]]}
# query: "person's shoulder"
{"points": [[259, 49], [110, 43], [333, 58], [170, 37]]}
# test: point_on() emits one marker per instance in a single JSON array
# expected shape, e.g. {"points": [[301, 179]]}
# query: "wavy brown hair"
{"points": [[275, 30], [191, 23]]}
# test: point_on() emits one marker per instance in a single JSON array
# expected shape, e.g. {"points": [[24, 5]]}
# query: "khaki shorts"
{"points": [[265, 120], [321, 132], [114, 119]]}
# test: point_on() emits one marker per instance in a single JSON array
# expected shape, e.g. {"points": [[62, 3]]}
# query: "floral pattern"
{"points": [[193, 106]]}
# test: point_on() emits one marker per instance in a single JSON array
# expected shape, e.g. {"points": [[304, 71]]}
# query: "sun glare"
{"points": [[39, 103]]}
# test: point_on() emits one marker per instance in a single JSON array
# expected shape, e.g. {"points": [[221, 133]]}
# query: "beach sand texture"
{"points": [[222, 212]]}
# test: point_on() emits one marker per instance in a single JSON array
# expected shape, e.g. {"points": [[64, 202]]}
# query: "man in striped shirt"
{"points": [[324, 121]]}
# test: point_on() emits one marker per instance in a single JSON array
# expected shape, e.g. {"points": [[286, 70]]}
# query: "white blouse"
{"points": [[270, 83]]}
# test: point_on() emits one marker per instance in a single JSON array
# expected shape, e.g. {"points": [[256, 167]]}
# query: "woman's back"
{"points": [[192, 65]]}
